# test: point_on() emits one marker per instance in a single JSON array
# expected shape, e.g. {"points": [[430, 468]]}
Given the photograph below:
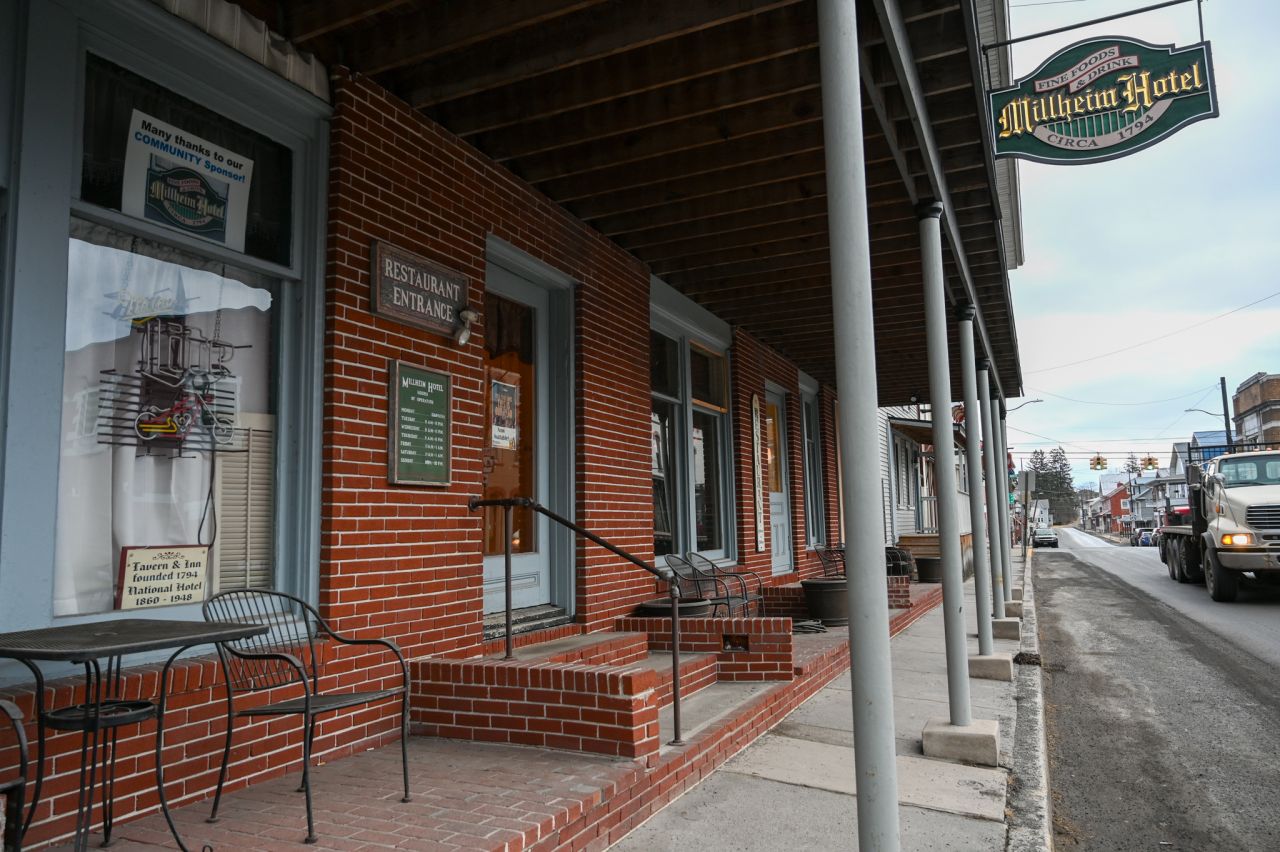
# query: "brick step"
{"points": [[615, 648], [697, 672]]}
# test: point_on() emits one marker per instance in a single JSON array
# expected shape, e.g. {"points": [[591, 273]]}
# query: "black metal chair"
{"points": [[15, 790], [723, 593], [898, 562], [752, 585], [286, 655], [832, 559]]}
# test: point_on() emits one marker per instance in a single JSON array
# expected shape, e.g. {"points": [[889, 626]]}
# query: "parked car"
{"points": [[1044, 537], [1142, 537]]}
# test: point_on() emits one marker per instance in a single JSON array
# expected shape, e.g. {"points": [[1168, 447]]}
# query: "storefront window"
{"points": [[154, 154], [168, 416], [690, 395]]}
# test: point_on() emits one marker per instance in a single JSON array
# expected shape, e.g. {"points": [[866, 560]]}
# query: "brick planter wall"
{"points": [[899, 592], [746, 648]]}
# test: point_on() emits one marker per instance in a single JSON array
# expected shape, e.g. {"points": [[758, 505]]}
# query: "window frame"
{"points": [[192, 64], [688, 335], [815, 509]]}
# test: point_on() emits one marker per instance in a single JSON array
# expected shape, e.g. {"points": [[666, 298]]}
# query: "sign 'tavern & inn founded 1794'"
{"points": [[408, 288], [1103, 98]]}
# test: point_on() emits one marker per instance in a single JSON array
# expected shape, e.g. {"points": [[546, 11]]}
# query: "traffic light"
{"points": [[1097, 463], [1150, 463]]}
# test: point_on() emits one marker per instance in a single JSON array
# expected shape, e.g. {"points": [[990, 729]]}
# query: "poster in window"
{"points": [[184, 182], [504, 431]]}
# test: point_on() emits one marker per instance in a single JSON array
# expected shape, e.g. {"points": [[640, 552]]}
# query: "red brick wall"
{"points": [[407, 560]]}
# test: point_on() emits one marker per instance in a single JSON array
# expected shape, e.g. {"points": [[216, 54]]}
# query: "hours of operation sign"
{"points": [[419, 437]]}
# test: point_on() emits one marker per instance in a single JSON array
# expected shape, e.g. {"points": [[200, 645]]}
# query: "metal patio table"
{"points": [[105, 709]]}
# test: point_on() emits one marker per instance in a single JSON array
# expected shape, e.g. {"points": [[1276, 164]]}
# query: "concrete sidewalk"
{"points": [[794, 787]]}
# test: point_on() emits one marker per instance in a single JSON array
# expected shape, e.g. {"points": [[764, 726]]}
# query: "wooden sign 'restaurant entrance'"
{"points": [[408, 288]]}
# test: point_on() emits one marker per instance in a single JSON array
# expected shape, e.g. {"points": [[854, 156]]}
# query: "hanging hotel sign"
{"points": [[1103, 98], [410, 289], [161, 576]]}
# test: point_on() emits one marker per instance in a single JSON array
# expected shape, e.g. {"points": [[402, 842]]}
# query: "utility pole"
{"points": [[1226, 412]]}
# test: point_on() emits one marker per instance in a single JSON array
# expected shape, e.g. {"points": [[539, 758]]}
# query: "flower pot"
{"points": [[661, 608], [827, 599]]}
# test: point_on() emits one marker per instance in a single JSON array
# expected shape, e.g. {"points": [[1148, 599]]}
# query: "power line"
{"points": [[1149, 402], [1045, 3], [1154, 339]]}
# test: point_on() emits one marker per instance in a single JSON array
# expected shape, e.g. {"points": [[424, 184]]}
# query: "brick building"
{"points": [[602, 234], [1256, 409]]}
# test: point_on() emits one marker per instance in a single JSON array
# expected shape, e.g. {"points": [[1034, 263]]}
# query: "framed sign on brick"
{"points": [[413, 290], [420, 421]]}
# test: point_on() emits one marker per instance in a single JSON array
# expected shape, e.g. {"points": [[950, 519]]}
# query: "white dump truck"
{"points": [[1234, 529]]}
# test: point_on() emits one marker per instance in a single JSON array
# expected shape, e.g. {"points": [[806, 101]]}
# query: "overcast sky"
{"points": [[1124, 251]]}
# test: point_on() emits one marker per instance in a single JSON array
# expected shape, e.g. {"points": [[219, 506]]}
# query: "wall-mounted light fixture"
{"points": [[463, 334]]}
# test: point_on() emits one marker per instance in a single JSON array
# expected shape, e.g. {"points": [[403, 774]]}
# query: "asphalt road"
{"points": [[1162, 707]]}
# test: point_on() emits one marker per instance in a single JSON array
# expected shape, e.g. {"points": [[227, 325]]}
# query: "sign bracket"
{"points": [[989, 47]]}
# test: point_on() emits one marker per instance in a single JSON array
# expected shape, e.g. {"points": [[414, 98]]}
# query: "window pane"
{"points": [[707, 481], [666, 538], [509, 399], [664, 365], [773, 448], [167, 386], [707, 378], [815, 520], [111, 96]]}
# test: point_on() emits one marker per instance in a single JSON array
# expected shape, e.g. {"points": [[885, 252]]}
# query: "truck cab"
{"points": [[1234, 522], [1240, 497]]}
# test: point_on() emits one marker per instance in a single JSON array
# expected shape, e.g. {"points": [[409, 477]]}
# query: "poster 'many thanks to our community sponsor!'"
{"points": [[180, 180]]}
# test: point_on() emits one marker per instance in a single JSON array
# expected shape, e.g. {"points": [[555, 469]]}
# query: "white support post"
{"points": [[944, 468], [973, 433], [993, 494], [1006, 551], [875, 760]]}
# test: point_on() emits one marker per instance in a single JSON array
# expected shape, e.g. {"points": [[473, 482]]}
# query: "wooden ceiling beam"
{"points": [[662, 109], [701, 133], [746, 41], [309, 19], [434, 30], [585, 35], [768, 195], [673, 240], [759, 148]]}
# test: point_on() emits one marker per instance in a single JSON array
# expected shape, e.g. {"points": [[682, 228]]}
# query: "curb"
{"points": [[1030, 803]]}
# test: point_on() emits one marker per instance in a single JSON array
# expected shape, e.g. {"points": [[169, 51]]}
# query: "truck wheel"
{"points": [[1174, 562], [1223, 584], [1188, 562]]}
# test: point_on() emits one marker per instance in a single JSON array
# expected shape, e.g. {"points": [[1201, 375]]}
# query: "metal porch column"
{"points": [[855, 361], [973, 433], [944, 452], [993, 493], [1006, 524]]}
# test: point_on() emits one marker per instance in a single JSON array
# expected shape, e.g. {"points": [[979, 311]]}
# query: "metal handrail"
{"points": [[668, 576]]}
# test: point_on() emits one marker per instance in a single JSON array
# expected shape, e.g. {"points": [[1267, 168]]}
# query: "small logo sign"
{"points": [[181, 198], [1103, 98]]}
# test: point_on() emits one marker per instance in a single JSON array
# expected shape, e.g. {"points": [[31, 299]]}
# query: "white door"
{"points": [[516, 435], [776, 478]]}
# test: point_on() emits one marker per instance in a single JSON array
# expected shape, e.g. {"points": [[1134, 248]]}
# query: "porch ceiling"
{"points": [[690, 133]]}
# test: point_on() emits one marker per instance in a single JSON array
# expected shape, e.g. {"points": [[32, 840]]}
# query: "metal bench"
{"points": [[287, 655]]}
